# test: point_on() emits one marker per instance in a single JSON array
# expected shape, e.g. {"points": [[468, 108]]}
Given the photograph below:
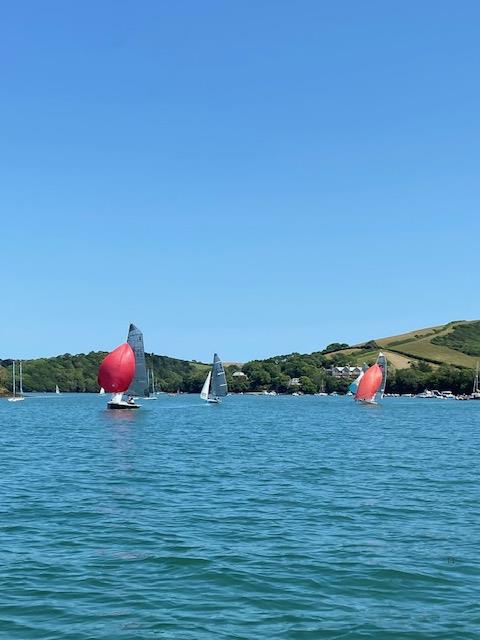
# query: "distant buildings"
{"points": [[239, 374], [345, 372], [294, 382]]}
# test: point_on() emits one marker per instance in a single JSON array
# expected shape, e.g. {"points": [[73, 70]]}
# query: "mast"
{"points": [[153, 382], [14, 384], [475, 381], [21, 378]]}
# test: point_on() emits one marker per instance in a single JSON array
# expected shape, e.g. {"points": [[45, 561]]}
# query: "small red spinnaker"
{"points": [[117, 369], [369, 384]]}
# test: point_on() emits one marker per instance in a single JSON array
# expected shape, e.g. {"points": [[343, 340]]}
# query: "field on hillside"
{"points": [[456, 343]]}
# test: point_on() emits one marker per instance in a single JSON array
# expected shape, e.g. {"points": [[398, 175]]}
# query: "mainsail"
{"points": [[139, 384], [382, 363], [219, 387]]}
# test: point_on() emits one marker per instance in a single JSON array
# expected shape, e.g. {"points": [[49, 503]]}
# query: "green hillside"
{"points": [[456, 344]]}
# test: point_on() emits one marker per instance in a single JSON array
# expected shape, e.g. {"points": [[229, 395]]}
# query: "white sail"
{"points": [[102, 391], [57, 390], [206, 387]]}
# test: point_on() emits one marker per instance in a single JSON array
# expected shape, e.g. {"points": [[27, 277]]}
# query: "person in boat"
{"points": [[130, 400]]}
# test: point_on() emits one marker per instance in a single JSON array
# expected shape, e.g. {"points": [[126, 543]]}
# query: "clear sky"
{"points": [[253, 177]]}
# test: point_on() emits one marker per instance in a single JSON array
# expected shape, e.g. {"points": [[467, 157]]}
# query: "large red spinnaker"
{"points": [[369, 384], [117, 369]]}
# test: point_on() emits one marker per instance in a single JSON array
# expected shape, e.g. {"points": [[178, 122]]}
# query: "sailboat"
{"points": [[151, 384], [101, 392], [20, 396], [57, 390], [476, 390], [215, 386], [373, 382], [139, 386], [115, 375]]}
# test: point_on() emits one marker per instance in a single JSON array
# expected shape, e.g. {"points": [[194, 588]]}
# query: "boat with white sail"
{"points": [[215, 386]]}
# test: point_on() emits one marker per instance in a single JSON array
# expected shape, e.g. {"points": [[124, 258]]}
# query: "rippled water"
{"points": [[261, 518]]}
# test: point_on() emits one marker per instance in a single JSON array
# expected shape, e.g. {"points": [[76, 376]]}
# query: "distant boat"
{"points": [[151, 384], [101, 392], [115, 375], [215, 386], [373, 382], [20, 396], [139, 385], [57, 390], [476, 390]]}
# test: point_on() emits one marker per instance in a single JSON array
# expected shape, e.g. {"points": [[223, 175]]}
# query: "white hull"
{"points": [[17, 399], [214, 401]]}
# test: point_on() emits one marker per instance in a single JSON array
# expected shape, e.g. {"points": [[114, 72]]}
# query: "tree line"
{"points": [[78, 373]]}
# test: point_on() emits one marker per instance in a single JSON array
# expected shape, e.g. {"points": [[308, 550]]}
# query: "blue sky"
{"points": [[248, 177]]}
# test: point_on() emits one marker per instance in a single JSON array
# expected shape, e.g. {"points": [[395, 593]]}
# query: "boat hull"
{"points": [[122, 405]]}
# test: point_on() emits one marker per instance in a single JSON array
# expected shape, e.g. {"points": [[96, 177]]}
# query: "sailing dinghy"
{"points": [[215, 386], [151, 385], [115, 375], [372, 383]]}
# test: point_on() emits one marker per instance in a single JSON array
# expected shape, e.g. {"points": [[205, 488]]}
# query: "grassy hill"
{"points": [[456, 343]]}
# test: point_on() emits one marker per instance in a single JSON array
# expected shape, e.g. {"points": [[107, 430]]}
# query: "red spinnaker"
{"points": [[370, 383], [117, 369]]}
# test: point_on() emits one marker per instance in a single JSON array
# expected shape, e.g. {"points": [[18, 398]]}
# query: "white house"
{"points": [[345, 372]]}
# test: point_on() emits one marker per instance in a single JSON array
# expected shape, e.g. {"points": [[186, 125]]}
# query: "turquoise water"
{"points": [[262, 518]]}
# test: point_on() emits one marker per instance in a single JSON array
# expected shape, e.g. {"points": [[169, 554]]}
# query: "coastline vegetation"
{"points": [[458, 344]]}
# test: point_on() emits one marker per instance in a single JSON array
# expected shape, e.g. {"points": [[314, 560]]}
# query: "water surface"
{"points": [[262, 518]]}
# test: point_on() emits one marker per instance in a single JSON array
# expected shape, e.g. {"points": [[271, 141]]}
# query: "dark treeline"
{"points": [[308, 372]]}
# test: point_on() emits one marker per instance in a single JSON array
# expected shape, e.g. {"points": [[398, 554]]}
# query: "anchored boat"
{"points": [[17, 397]]}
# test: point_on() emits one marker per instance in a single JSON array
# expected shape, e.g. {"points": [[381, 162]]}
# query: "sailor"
{"points": [[130, 400]]}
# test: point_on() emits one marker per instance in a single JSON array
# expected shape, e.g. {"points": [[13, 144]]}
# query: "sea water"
{"points": [[260, 518]]}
